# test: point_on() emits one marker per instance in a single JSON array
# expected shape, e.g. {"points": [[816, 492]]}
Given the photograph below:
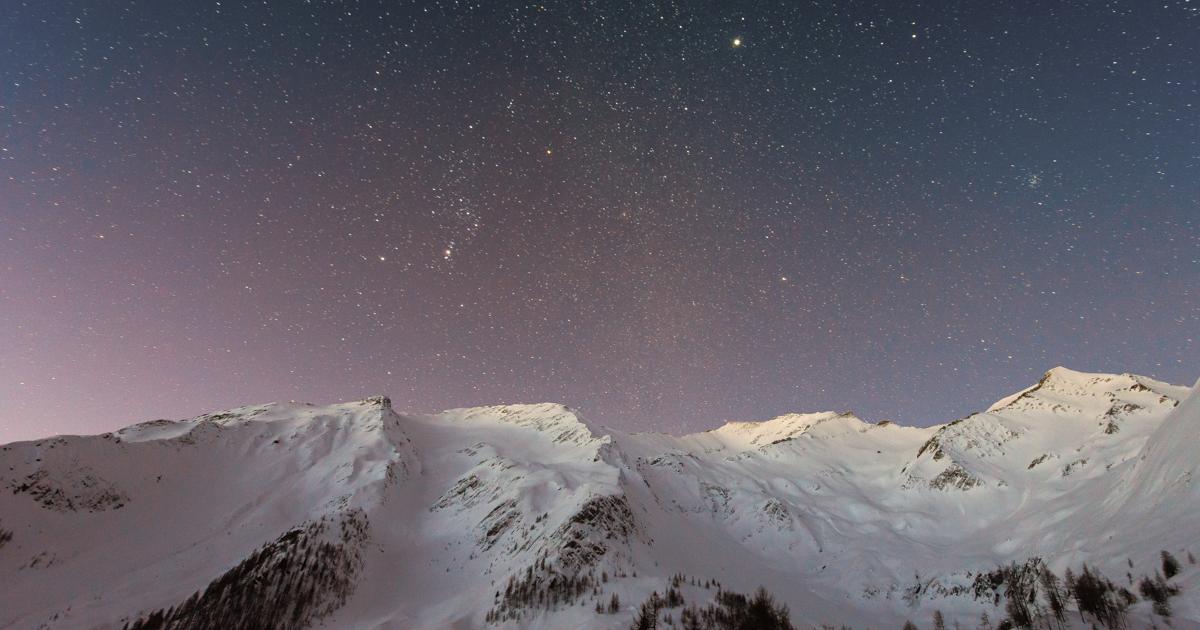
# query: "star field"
{"points": [[665, 214]]}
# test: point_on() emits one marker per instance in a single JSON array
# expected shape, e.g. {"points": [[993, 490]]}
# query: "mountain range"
{"points": [[356, 515]]}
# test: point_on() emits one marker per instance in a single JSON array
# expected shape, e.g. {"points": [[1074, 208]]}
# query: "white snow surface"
{"points": [[835, 516]]}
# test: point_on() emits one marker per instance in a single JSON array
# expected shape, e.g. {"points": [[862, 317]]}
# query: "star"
{"points": [[656, 244]]}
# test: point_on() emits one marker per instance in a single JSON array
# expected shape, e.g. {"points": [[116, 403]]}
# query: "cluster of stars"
{"points": [[664, 214]]}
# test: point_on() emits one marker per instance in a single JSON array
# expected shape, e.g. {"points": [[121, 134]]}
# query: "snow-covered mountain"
{"points": [[357, 516]]}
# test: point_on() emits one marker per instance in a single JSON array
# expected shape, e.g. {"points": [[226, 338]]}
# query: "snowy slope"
{"points": [[354, 515]]}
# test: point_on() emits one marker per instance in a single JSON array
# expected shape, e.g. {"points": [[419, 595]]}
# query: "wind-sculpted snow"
{"points": [[353, 515], [552, 422]]}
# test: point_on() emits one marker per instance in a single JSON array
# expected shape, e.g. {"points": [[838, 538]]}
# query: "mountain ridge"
{"points": [[527, 515]]}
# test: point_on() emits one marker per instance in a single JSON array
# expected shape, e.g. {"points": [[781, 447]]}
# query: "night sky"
{"points": [[664, 214]]}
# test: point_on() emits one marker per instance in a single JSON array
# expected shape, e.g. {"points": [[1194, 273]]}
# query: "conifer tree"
{"points": [[1170, 566]]}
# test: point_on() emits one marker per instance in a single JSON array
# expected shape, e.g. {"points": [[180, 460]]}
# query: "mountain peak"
{"points": [[382, 400], [1062, 371], [1061, 374], [1065, 383], [748, 434]]}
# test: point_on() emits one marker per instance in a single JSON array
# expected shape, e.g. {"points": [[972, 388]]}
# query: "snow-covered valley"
{"points": [[356, 515]]}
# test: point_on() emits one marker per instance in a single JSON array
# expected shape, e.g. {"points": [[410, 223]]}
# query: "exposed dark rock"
{"points": [[79, 490], [954, 477]]}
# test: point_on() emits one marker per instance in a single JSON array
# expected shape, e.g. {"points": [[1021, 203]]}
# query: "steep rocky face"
{"points": [[527, 515]]}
